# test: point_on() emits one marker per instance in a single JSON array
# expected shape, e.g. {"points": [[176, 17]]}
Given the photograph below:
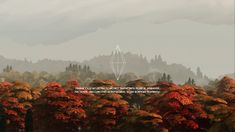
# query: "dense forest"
{"points": [[42, 102]]}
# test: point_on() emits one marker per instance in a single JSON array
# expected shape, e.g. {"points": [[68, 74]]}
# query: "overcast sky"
{"points": [[190, 32]]}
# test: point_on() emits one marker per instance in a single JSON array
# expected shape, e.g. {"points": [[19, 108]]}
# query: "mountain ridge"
{"points": [[137, 64]]}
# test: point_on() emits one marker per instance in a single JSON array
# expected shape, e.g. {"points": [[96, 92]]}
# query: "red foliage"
{"points": [[53, 85], [226, 85], [166, 86], [63, 108], [13, 108], [226, 90], [73, 83], [177, 107], [107, 111], [174, 105], [179, 96], [4, 87], [192, 124]]}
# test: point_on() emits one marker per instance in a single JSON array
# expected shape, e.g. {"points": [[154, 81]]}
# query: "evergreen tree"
{"points": [[164, 78], [190, 81], [8, 69], [169, 78], [2, 119], [193, 82], [29, 121]]}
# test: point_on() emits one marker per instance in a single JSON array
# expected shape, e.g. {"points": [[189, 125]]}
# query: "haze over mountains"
{"points": [[136, 64]]}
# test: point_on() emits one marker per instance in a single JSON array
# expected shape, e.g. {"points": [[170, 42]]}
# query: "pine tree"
{"points": [[8, 69], [29, 121], [164, 77], [169, 78], [193, 82], [2, 119], [189, 81]]}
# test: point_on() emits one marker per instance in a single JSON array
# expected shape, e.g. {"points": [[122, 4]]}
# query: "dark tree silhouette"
{"points": [[2, 119], [29, 121]]}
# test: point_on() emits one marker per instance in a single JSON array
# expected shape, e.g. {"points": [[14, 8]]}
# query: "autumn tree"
{"points": [[177, 108], [226, 90], [57, 110], [136, 99], [108, 110], [22, 91], [14, 110], [142, 121]]}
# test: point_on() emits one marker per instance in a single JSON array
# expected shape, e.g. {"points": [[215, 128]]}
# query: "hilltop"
{"points": [[137, 64]]}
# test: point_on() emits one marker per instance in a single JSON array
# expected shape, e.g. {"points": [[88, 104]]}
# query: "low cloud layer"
{"points": [[48, 22]]}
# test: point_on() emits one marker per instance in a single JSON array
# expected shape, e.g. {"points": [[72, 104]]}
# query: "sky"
{"points": [[192, 33]]}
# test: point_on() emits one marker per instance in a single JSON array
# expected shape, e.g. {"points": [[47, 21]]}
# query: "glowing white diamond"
{"points": [[117, 62]]}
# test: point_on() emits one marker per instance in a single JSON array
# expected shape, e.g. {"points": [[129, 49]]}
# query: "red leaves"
{"points": [[14, 111], [76, 111], [192, 124], [177, 107], [179, 119], [179, 97], [5, 85], [52, 85], [61, 116], [15, 98], [226, 84], [56, 94], [11, 113], [65, 107], [73, 83], [108, 110], [166, 86], [59, 104], [174, 105]]}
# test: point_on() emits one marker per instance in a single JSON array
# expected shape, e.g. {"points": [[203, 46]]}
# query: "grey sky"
{"points": [[194, 33]]}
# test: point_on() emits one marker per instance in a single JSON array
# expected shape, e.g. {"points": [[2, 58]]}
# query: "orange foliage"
{"points": [[63, 108], [177, 107], [107, 111], [13, 104]]}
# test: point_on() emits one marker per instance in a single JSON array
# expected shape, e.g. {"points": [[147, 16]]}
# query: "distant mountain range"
{"points": [[134, 64]]}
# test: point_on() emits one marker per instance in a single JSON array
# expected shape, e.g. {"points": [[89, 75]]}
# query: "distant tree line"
{"points": [[190, 81], [83, 73], [8, 69], [165, 78]]}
